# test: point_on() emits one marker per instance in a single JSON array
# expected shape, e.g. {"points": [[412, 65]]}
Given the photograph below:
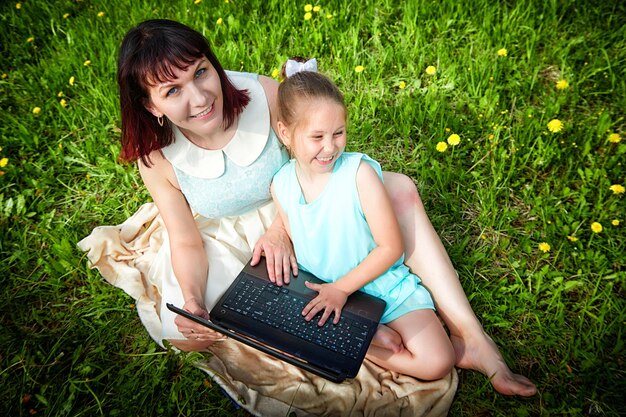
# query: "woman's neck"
{"points": [[215, 141]]}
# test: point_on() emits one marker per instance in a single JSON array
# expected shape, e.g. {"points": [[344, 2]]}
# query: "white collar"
{"points": [[253, 129]]}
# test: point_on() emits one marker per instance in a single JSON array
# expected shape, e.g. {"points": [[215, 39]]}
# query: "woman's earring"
{"points": [[160, 120]]}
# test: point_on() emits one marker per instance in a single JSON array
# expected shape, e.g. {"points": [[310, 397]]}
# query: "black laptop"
{"points": [[269, 318]]}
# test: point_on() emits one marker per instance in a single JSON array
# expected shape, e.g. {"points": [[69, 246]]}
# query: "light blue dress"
{"points": [[331, 235]]}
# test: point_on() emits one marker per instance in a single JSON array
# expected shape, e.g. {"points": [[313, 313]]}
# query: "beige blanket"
{"points": [[261, 384]]}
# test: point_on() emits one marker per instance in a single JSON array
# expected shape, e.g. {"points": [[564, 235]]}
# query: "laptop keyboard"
{"points": [[277, 307]]}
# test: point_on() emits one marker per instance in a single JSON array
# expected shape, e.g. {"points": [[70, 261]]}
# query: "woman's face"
{"points": [[192, 100]]}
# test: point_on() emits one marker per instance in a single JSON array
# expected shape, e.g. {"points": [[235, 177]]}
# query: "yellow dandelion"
{"points": [[544, 247], [562, 84], [617, 189], [100, 14], [490, 136], [87, 63], [454, 139], [197, 1], [275, 73], [36, 110], [4, 162], [441, 146], [555, 125], [572, 238], [60, 94], [60, 145], [447, 129], [329, 16], [18, 6], [614, 138], [30, 40], [317, 9], [401, 85], [4, 75], [71, 81], [615, 222], [308, 7], [63, 102], [359, 68], [66, 15], [307, 16], [220, 21], [596, 227], [431, 70], [502, 52]]}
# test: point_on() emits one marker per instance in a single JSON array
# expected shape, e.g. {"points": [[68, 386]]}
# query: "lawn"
{"points": [[509, 116]]}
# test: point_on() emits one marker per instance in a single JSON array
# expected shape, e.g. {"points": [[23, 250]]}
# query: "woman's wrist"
{"points": [[194, 295]]}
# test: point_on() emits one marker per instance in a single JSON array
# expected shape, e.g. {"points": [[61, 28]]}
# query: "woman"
{"points": [[205, 143]]}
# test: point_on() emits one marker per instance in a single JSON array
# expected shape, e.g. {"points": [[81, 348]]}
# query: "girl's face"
{"points": [[319, 137], [192, 100]]}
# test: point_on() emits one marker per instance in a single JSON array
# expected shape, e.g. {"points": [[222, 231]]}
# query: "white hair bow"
{"points": [[293, 66]]}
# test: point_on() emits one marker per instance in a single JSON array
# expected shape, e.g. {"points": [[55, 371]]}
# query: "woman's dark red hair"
{"points": [[148, 54]]}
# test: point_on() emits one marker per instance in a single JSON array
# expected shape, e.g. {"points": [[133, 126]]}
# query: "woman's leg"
{"points": [[474, 349]]}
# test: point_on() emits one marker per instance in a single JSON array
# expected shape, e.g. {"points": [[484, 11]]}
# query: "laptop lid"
{"points": [[360, 317]]}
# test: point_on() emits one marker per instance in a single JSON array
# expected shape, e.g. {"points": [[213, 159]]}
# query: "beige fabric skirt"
{"points": [[135, 257]]}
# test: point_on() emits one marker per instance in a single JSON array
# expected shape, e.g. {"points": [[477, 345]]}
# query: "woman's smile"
{"points": [[204, 114]]}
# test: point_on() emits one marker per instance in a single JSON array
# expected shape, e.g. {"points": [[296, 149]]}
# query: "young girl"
{"points": [[344, 229]]}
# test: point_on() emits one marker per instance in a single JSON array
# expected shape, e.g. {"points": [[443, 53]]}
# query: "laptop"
{"points": [[267, 317]]}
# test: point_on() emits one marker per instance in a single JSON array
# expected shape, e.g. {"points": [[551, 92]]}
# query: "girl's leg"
{"points": [[387, 338], [428, 354], [473, 347]]}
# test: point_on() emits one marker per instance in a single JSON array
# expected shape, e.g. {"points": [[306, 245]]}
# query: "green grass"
{"points": [[73, 345]]}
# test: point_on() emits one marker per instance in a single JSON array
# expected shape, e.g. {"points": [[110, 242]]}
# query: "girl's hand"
{"points": [[276, 246], [329, 298], [195, 331]]}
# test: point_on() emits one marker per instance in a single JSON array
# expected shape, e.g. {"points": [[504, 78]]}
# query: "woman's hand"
{"points": [[276, 246], [195, 331], [329, 298]]}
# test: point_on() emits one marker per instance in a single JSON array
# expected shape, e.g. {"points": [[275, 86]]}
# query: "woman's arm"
{"points": [[275, 244], [278, 244], [189, 260], [270, 86]]}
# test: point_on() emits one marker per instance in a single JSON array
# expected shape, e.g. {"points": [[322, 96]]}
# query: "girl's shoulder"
{"points": [[355, 160]]}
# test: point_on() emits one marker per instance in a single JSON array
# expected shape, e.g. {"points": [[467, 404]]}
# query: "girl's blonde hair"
{"points": [[304, 85]]}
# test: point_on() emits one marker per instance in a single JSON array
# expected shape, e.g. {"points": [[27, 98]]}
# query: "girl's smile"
{"points": [[319, 138]]}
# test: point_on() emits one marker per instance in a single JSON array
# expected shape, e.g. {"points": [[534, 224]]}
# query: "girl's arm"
{"points": [[384, 227], [385, 230]]}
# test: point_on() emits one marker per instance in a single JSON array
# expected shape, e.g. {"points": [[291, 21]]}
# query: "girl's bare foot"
{"points": [[387, 338], [483, 355]]}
